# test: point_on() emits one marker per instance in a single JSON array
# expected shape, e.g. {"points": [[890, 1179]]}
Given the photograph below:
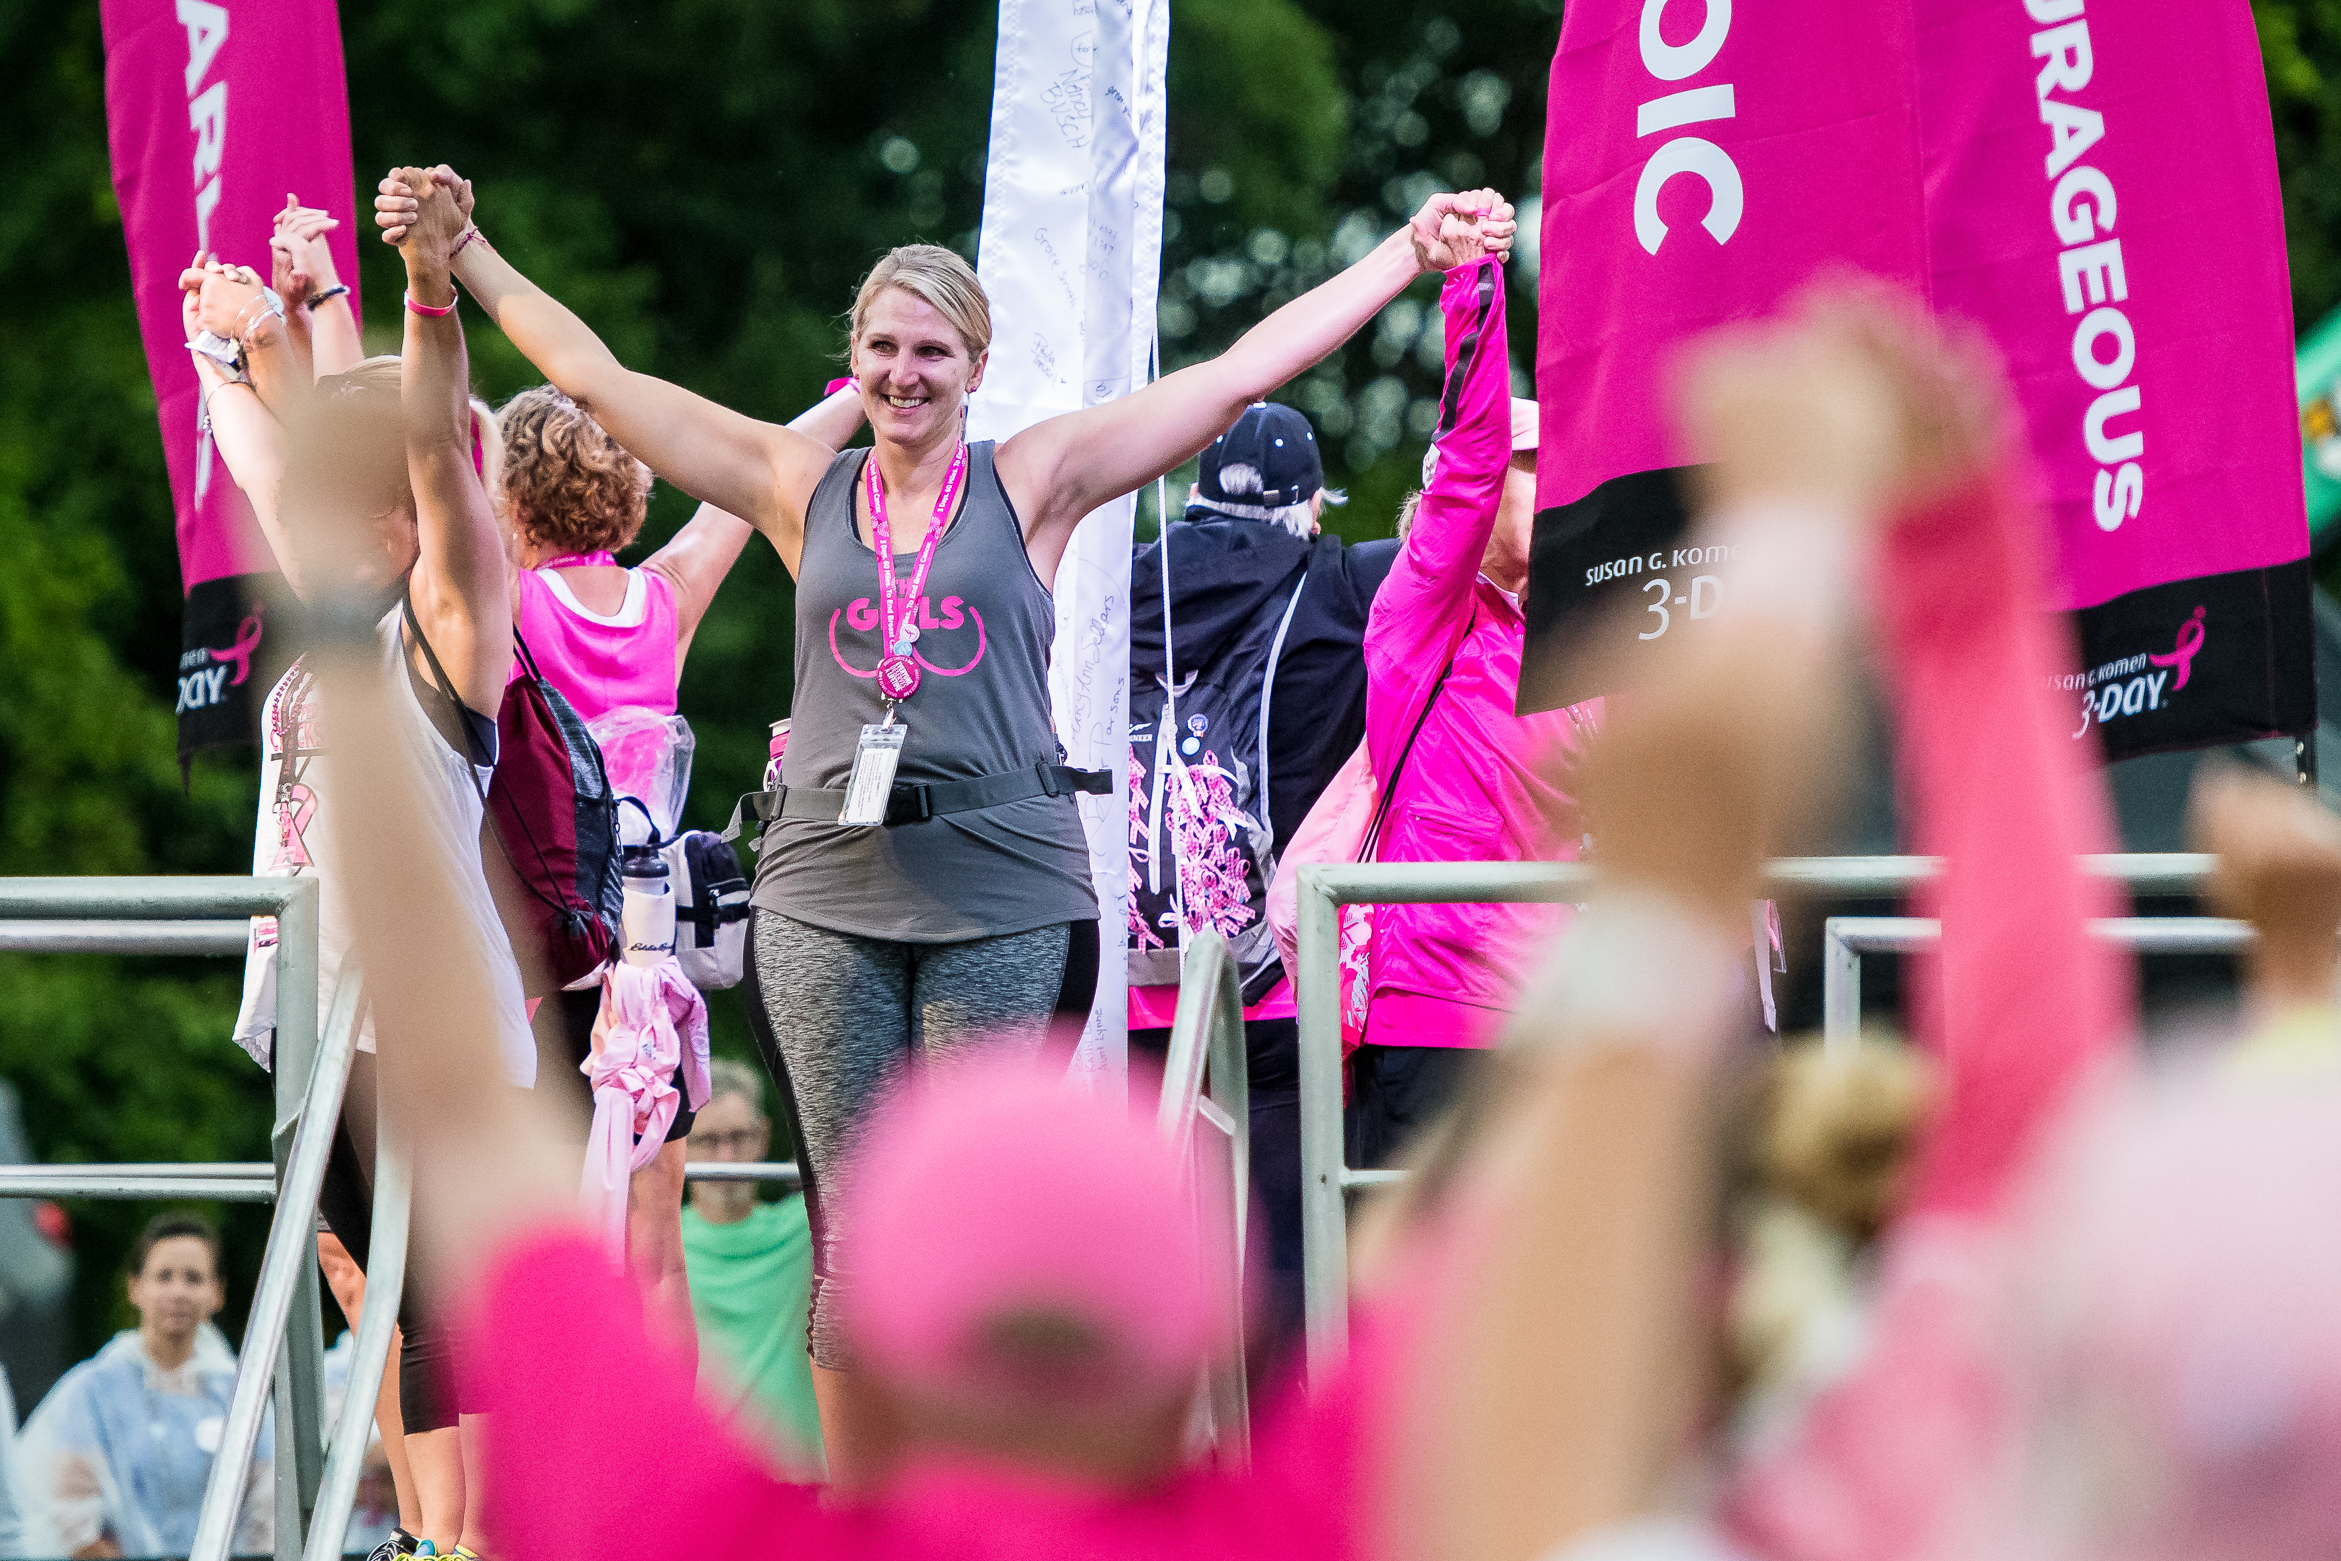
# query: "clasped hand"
{"points": [[1456, 229], [433, 203]]}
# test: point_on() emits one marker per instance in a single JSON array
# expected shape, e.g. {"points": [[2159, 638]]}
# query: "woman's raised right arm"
{"points": [[762, 472]]}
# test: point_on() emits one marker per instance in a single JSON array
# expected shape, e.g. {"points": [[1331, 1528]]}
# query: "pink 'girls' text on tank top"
{"points": [[601, 662]]}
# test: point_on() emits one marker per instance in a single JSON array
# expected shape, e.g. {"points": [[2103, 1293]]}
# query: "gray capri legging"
{"points": [[839, 1016]]}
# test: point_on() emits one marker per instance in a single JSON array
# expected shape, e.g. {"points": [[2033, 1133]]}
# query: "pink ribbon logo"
{"points": [[2182, 654], [292, 822], [247, 641]]}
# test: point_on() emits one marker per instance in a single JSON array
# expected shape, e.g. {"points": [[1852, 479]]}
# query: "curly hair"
{"points": [[567, 483]]}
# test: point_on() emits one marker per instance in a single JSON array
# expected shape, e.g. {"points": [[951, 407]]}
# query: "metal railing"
{"points": [[283, 1347], [1207, 1036], [1325, 887], [1844, 939], [254, 1181], [283, 1350]]}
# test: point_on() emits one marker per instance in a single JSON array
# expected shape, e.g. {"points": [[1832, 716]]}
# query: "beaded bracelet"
{"points": [[437, 312]]}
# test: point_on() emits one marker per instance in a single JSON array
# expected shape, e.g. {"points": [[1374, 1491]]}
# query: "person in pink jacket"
{"points": [[1464, 779]]}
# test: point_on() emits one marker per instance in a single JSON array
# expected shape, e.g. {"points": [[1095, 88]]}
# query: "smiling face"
{"points": [[915, 369]]}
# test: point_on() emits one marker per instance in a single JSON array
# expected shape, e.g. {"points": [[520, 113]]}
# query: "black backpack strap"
{"points": [[471, 753]]}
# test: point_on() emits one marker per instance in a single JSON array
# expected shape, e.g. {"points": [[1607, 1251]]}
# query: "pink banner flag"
{"points": [[2093, 185], [215, 112]]}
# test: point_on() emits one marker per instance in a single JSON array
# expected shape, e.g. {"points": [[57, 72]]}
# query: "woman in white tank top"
{"points": [[375, 493]]}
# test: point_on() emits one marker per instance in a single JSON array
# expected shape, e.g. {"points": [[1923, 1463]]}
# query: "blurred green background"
{"points": [[705, 181]]}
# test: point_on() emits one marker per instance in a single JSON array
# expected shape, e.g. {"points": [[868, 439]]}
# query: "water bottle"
{"points": [[649, 919], [779, 748]]}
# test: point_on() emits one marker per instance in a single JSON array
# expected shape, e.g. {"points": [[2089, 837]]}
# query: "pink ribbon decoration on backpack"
{"points": [[650, 1014]]}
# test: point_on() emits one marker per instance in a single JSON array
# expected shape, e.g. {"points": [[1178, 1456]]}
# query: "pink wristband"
{"points": [[837, 385], [441, 312]]}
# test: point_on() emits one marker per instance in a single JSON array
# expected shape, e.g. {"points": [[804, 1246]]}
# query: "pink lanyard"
{"points": [[898, 674]]}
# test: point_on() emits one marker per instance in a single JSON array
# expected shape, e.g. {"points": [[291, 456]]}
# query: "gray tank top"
{"points": [[982, 708]]}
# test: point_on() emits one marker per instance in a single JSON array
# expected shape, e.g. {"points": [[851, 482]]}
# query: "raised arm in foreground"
{"points": [[2017, 1003], [1572, 1379]]}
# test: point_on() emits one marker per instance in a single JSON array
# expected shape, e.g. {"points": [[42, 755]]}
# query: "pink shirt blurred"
{"points": [[2018, 1004], [601, 662], [596, 1441]]}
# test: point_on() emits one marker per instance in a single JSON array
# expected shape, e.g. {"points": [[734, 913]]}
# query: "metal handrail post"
{"points": [[1325, 887], [345, 1458], [124, 937], [291, 1256], [158, 915], [1840, 988], [300, 1377], [224, 1181], [1207, 1033], [1844, 939], [1324, 1219]]}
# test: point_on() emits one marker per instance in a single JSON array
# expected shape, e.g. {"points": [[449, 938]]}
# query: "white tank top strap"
{"points": [[630, 614]]}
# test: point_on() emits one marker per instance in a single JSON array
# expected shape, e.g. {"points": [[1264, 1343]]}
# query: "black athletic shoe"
{"points": [[397, 1547]]}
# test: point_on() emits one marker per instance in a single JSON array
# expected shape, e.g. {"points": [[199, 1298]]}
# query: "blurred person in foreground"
{"points": [[370, 489], [1462, 778], [2108, 1320], [750, 1264], [115, 1459], [1036, 1334], [1260, 698]]}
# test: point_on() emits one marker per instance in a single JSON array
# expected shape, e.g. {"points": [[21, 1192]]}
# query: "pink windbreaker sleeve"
{"points": [[1425, 603], [2016, 1005], [595, 1442], [2020, 998]]}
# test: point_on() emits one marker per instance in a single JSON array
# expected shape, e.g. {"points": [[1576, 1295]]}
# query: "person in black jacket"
{"points": [[1261, 695]]}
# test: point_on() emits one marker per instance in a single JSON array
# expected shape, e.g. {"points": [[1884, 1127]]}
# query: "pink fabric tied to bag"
{"points": [[652, 1020]]}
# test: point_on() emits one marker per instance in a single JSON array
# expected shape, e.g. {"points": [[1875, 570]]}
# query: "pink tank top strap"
{"points": [[602, 661]]}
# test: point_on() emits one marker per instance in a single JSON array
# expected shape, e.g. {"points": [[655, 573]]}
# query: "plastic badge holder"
{"points": [[872, 782]]}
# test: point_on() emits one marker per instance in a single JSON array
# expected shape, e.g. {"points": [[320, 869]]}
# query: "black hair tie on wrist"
{"points": [[329, 293]]}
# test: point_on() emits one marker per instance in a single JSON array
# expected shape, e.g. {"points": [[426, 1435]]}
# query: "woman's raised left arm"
{"points": [[1058, 471]]}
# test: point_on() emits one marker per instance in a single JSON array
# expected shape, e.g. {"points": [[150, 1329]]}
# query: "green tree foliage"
{"points": [[2300, 44], [704, 180]]}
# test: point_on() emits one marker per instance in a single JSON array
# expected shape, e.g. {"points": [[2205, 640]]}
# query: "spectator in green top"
{"points": [[749, 1264]]}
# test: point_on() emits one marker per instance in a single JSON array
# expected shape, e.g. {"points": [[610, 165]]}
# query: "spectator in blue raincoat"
{"points": [[115, 1460]]}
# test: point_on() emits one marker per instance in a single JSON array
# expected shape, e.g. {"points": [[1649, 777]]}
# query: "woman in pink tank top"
{"points": [[608, 636]]}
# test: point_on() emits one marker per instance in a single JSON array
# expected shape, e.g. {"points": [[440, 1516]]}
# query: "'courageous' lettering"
{"points": [[2092, 280]]}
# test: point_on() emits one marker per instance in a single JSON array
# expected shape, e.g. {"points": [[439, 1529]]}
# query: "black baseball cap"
{"points": [[1276, 442]]}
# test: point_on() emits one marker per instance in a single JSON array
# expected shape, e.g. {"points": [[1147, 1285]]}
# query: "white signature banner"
{"points": [[1071, 254]]}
